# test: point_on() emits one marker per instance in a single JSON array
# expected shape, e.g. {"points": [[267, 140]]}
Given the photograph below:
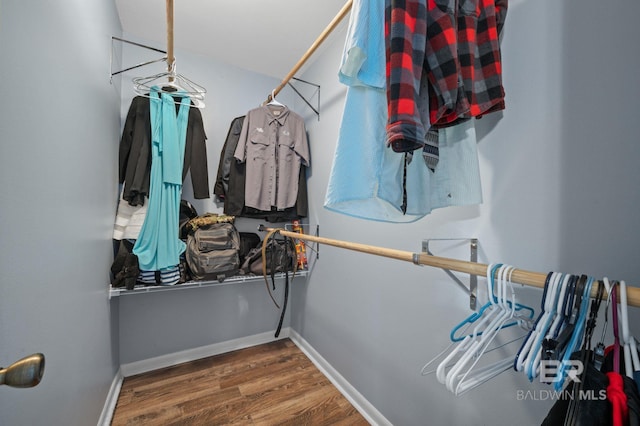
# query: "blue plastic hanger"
{"points": [[492, 301], [480, 319], [474, 376], [572, 313], [576, 337]]}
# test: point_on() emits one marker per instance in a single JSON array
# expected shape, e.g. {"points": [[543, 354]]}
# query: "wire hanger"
{"points": [[171, 81]]}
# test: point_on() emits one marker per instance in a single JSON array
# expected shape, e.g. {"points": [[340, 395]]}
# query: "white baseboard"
{"points": [[188, 355], [111, 401], [368, 411]]}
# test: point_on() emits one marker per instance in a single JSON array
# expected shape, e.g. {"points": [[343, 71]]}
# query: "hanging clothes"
{"points": [[158, 245], [572, 408], [455, 46], [366, 178], [629, 386], [633, 401], [230, 184], [478, 25], [615, 390], [129, 219], [165, 276], [221, 187], [618, 399], [405, 33], [273, 144], [594, 412], [135, 153], [363, 58], [135, 166]]}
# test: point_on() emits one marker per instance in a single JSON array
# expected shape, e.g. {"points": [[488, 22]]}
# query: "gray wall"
{"points": [[559, 181], [58, 151]]}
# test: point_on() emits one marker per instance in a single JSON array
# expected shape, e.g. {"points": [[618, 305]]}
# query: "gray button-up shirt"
{"points": [[273, 142]]}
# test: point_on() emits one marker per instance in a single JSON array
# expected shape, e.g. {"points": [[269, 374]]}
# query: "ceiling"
{"points": [[265, 36]]}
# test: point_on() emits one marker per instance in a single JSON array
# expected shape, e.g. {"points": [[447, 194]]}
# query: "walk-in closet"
{"points": [[461, 178]]}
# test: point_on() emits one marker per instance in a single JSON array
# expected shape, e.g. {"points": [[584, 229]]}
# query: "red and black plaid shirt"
{"points": [[456, 44], [405, 28], [474, 86]]}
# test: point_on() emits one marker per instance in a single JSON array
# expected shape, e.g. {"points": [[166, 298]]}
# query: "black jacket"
{"points": [[230, 184], [135, 153]]}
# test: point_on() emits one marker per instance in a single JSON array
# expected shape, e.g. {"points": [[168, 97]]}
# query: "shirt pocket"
{"points": [[286, 145], [259, 145]]}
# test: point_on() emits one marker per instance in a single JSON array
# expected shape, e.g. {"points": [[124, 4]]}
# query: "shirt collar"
{"points": [[280, 118]]}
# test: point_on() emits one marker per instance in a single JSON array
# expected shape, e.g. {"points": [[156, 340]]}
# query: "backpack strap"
{"points": [[266, 241]]}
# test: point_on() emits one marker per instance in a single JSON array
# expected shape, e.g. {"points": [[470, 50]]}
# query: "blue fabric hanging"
{"points": [[158, 246]]}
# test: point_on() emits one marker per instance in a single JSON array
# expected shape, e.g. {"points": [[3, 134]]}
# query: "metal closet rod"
{"points": [[533, 279], [332, 25]]}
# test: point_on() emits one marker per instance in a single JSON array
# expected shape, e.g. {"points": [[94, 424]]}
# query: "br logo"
{"points": [[550, 369]]}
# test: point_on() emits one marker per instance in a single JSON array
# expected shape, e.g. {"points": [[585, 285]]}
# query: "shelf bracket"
{"points": [[473, 257], [113, 38], [317, 108]]}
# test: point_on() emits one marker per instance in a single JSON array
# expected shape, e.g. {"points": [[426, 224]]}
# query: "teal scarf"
{"points": [[158, 246]]}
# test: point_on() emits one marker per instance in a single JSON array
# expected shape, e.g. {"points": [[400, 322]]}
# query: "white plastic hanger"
{"points": [[557, 321], [471, 351], [556, 318], [462, 378], [523, 353], [470, 379], [468, 345], [458, 350], [446, 350], [273, 100], [459, 371], [529, 351]]}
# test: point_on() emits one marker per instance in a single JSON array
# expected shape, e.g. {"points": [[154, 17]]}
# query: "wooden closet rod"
{"points": [[170, 55], [332, 25], [533, 279]]}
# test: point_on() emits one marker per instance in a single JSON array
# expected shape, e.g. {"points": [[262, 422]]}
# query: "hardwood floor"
{"points": [[270, 384]]}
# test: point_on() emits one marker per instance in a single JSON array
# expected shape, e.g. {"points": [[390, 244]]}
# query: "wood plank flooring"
{"points": [[270, 384]]}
